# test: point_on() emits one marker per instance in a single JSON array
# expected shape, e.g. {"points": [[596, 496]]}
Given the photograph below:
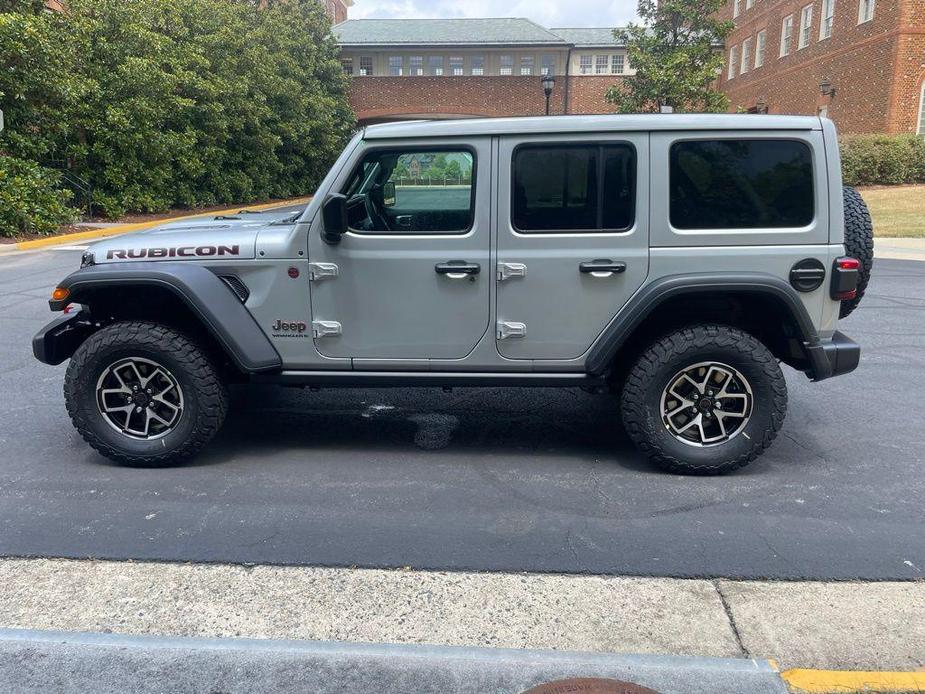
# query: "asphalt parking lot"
{"points": [[487, 479]]}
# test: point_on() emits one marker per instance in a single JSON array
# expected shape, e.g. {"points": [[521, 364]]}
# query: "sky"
{"points": [[548, 13]]}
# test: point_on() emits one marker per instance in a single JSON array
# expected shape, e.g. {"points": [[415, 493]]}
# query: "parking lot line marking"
{"points": [[837, 681], [138, 226]]}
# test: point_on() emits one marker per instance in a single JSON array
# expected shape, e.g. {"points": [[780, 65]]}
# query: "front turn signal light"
{"points": [[60, 294]]}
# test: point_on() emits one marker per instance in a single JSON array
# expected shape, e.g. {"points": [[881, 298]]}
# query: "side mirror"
{"points": [[334, 218], [388, 194]]}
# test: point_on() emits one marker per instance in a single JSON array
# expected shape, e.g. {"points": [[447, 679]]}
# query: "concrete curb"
{"points": [[77, 662], [94, 234]]}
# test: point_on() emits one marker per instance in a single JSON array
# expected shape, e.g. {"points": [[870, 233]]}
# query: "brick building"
{"points": [[445, 68], [868, 55]]}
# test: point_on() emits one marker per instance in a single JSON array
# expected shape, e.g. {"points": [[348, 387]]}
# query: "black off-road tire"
{"points": [[205, 397], [859, 243], [642, 391]]}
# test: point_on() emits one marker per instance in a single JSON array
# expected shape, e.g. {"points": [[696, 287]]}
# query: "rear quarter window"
{"points": [[741, 184]]}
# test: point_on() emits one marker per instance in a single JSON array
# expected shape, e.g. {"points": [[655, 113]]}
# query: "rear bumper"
{"points": [[838, 356], [58, 340]]}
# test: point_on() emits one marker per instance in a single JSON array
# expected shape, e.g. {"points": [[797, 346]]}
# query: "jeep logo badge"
{"points": [[297, 327]]}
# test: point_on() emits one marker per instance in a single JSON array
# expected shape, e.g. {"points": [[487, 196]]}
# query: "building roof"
{"points": [[590, 124], [444, 32], [585, 37]]}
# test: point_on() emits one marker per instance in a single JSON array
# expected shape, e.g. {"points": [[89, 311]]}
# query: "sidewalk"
{"points": [[900, 248], [829, 626]]}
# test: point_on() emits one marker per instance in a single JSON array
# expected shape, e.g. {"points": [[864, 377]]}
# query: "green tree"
{"points": [[175, 102], [677, 54]]}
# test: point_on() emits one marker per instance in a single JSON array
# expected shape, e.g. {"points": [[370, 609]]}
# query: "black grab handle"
{"points": [[457, 266], [602, 266]]}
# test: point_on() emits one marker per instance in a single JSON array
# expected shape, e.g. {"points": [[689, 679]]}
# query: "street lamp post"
{"points": [[548, 83]]}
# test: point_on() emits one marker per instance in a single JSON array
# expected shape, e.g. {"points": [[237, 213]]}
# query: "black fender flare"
{"points": [[202, 291], [652, 295]]}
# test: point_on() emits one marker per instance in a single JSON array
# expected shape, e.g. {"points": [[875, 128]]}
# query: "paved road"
{"points": [[539, 480]]}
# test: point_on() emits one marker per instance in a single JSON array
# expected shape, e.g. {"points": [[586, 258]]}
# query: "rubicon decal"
{"points": [[179, 252]]}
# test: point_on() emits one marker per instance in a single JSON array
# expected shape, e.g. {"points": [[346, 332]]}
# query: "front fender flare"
{"points": [[656, 293], [203, 292]]}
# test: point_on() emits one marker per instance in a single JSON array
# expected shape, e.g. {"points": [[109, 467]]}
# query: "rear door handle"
{"points": [[458, 269], [602, 268]]}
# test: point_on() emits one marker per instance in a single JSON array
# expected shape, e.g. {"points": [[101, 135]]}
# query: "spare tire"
{"points": [[859, 243]]}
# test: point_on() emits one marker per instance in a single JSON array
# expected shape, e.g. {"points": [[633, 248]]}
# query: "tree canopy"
{"points": [[676, 53], [159, 103]]}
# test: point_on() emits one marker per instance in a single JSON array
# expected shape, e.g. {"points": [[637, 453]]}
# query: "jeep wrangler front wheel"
{"points": [[144, 395], [704, 400]]}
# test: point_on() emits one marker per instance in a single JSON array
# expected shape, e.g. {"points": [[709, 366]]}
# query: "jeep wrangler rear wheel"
{"points": [[704, 400], [144, 395]]}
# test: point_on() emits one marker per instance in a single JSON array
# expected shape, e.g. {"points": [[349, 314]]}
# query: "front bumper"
{"points": [[839, 356], [58, 340]]}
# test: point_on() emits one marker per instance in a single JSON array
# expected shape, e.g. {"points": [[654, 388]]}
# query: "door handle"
{"points": [[404, 221], [602, 268], [458, 269]]}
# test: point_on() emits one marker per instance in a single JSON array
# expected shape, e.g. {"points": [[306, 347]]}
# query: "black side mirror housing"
{"points": [[388, 194], [334, 218]]}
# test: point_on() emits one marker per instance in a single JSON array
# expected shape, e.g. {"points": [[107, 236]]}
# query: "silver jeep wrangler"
{"points": [[673, 259]]}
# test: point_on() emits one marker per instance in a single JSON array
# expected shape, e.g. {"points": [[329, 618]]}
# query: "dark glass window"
{"points": [[574, 188], [741, 184]]}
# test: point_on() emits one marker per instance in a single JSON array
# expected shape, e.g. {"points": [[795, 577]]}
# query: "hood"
{"points": [[202, 238]]}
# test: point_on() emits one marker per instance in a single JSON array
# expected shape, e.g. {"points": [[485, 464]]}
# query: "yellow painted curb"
{"points": [[138, 226], [837, 681]]}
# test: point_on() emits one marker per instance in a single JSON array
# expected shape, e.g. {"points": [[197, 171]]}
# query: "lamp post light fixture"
{"points": [[548, 83], [826, 88]]}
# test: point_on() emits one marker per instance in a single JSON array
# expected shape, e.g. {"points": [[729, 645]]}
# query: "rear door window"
{"points": [[574, 188], [741, 184]]}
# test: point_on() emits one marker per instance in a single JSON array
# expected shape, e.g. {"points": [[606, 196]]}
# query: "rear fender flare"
{"points": [[650, 297]]}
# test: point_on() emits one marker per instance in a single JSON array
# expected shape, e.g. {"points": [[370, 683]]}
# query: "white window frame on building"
{"points": [[457, 65], [347, 64], [506, 63], [477, 65], [736, 8], [746, 56], [527, 65], [366, 66], [806, 26], [416, 66], [866, 10], [396, 66], [733, 61], [586, 64], [786, 36], [601, 63], [617, 64], [435, 65], [548, 64], [827, 20], [761, 45], [921, 130]]}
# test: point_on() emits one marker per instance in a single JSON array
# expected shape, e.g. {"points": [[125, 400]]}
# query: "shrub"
{"points": [[160, 103], [30, 201], [883, 159]]}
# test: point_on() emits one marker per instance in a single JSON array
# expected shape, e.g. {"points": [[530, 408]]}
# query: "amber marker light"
{"points": [[60, 294]]}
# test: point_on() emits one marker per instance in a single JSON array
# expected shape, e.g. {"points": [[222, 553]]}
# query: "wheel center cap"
{"points": [[141, 399], [705, 404]]}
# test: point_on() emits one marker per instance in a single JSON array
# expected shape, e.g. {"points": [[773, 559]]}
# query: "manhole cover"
{"points": [[587, 685]]}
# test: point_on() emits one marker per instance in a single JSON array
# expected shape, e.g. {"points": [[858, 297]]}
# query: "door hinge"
{"points": [[322, 271], [326, 328], [508, 329], [508, 270]]}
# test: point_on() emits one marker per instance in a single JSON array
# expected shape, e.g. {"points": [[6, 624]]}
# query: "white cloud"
{"points": [[548, 13]]}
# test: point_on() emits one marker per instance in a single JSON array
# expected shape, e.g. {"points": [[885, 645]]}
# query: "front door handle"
{"points": [[458, 269], [404, 221], [602, 268]]}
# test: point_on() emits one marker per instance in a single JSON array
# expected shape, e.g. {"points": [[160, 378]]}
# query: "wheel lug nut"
{"points": [[137, 409]]}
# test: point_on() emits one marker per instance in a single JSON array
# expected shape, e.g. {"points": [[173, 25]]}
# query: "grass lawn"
{"points": [[896, 210]]}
